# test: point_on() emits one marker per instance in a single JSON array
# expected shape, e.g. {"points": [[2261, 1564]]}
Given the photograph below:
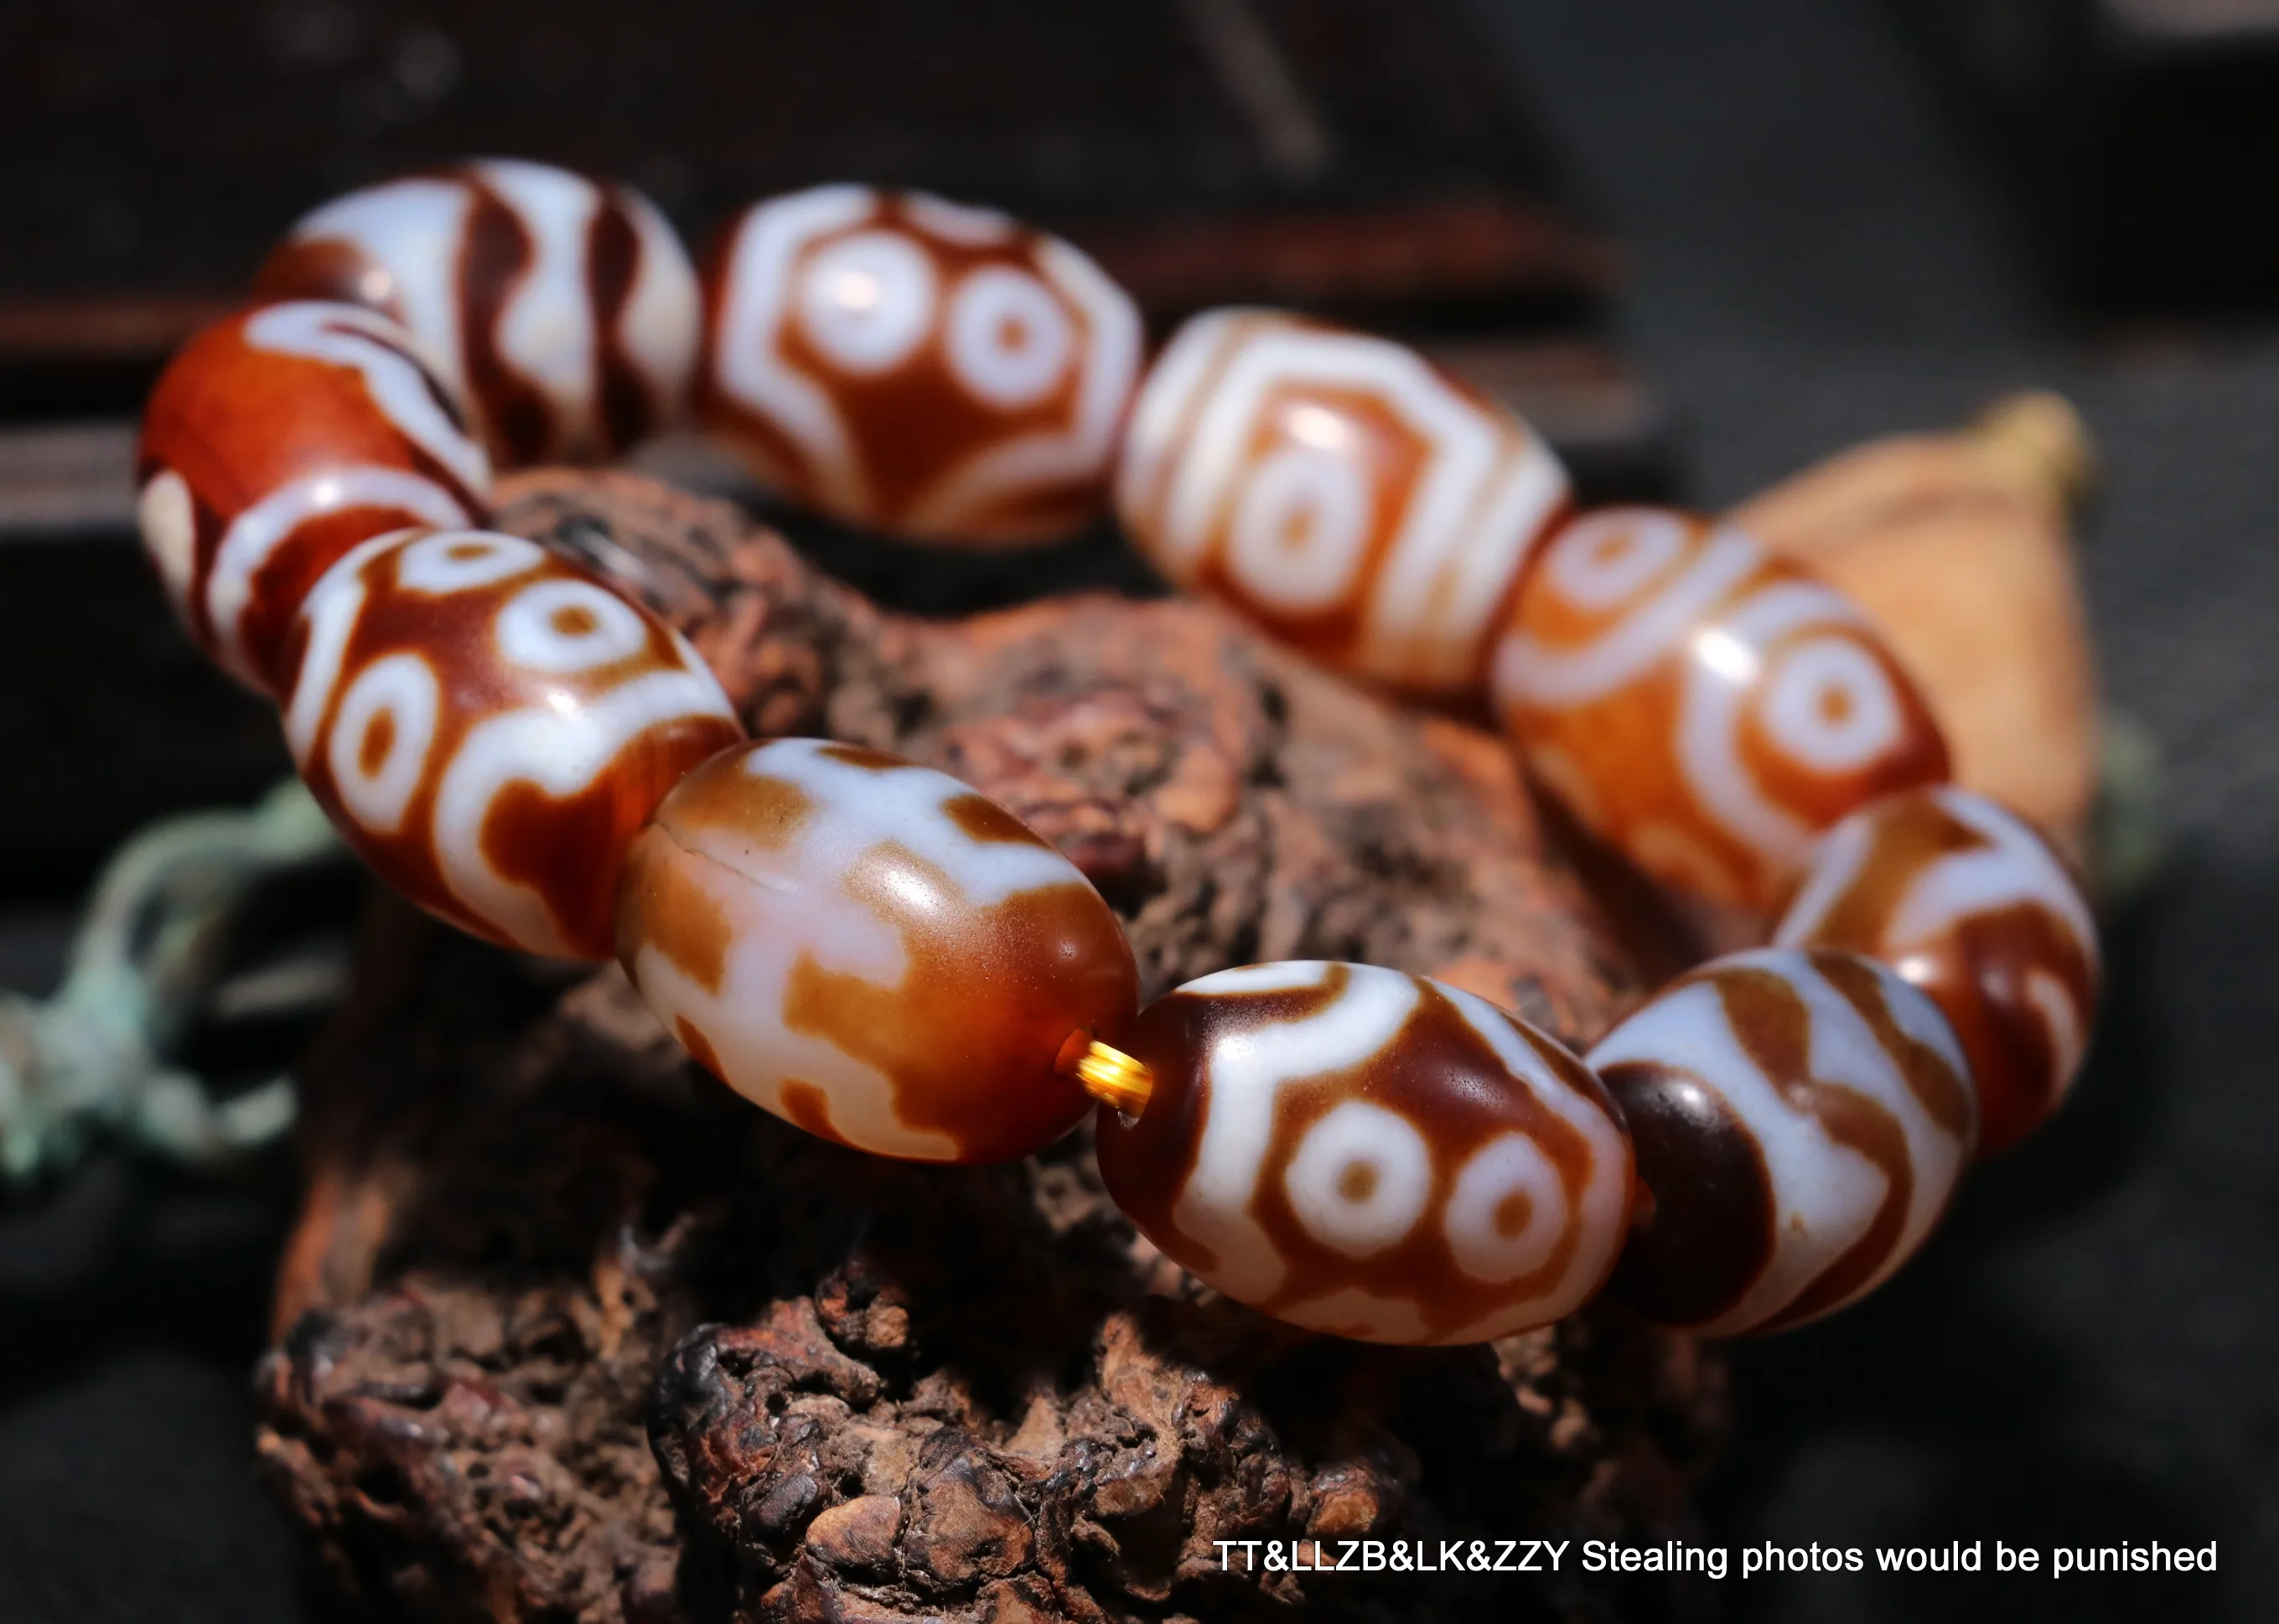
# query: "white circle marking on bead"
{"points": [[1296, 538], [403, 689], [1360, 1179], [867, 301], [1510, 1167], [1009, 341], [1829, 704], [445, 562], [530, 630]]}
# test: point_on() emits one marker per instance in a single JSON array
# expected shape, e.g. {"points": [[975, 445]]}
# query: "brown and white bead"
{"points": [[917, 366], [1968, 903], [1703, 706], [276, 441], [488, 725], [1371, 1154], [1337, 489], [871, 950], [1800, 1120], [564, 308]]}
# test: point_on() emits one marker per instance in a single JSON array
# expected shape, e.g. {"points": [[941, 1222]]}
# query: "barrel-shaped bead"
{"points": [[276, 441], [1369, 1154], [873, 950], [1800, 1120], [919, 367], [1337, 489], [489, 724], [1705, 707], [1967, 902], [564, 307]]}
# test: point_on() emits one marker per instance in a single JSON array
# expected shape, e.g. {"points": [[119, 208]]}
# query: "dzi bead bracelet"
{"points": [[877, 953]]}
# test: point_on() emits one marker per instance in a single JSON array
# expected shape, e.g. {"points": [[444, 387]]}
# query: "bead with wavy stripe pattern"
{"points": [[871, 950], [1801, 1121], [1968, 903], [276, 441]]}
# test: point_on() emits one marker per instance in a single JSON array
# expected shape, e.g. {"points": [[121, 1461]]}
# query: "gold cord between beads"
{"points": [[1109, 1074]]}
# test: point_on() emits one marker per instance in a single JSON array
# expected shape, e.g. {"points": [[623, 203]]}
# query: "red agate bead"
{"points": [[918, 366], [275, 442], [1967, 902], [1337, 489], [488, 725], [1801, 1121], [871, 950], [1368, 1154], [1705, 707], [564, 307]]}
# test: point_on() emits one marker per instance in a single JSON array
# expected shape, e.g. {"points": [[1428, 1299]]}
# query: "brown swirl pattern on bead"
{"points": [[1800, 1120], [488, 726], [871, 950], [1705, 707], [276, 441], [1371, 1154], [922, 368], [1337, 489], [1966, 901], [563, 309]]}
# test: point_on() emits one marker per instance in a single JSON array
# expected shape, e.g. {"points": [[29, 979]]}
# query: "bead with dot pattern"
{"points": [[488, 725], [1800, 1120], [1967, 902], [564, 308], [871, 950], [1369, 1154], [1339, 490], [276, 441], [918, 366], [1703, 706]]}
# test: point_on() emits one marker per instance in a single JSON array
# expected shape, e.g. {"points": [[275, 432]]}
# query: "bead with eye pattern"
{"points": [[276, 441], [1706, 708], [897, 361], [871, 950], [1968, 903], [1800, 1120], [1337, 489], [1369, 1154], [488, 726], [564, 307]]}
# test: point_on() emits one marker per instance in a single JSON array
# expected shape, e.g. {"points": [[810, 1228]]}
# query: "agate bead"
{"points": [[1969, 904], [1800, 1120], [1371, 1154], [871, 950], [917, 366], [564, 307], [276, 441], [1705, 707], [488, 725], [1339, 490]]}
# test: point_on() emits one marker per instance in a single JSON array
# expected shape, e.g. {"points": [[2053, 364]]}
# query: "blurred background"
{"points": [[1701, 245]]}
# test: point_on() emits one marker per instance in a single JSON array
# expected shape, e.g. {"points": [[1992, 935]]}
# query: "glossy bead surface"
{"points": [[276, 441], [488, 725], [564, 308], [925, 369], [1337, 489], [1371, 1154], [1968, 903], [871, 950], [1704, 708], [1801, 1121]]}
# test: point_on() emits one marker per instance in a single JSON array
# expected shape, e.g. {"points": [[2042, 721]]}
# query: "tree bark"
{"points": [[567, 1331]]}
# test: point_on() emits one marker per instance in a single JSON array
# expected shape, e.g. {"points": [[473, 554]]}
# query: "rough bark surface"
{"points": [[568, 1332]]}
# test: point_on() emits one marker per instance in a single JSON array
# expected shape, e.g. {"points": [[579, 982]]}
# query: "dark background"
{"points": [[1829, 234]]}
